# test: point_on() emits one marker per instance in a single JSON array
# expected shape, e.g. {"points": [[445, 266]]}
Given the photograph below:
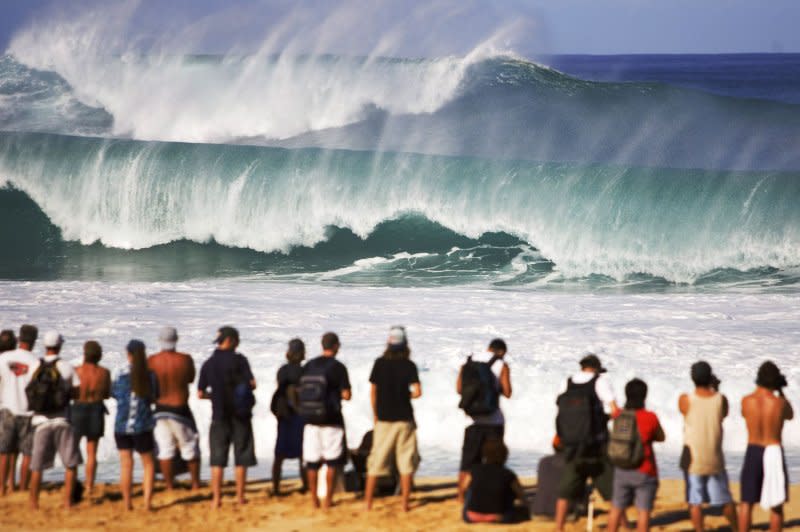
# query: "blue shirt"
{"points": [[134, 413], [213, 374]]}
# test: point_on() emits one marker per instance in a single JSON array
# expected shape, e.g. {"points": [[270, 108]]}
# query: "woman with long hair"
{"points": [[135, 391]]}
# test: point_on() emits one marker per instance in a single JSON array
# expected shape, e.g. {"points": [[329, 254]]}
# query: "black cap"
{"points": [[702, 374], [770, 377], [591, 361], [226, 332]]}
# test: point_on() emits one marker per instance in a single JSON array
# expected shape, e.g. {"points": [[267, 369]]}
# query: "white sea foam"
{"points": [[655, 337]]}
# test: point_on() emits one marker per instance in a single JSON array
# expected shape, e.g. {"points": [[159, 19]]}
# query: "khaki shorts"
{"points": [[393, 443]]}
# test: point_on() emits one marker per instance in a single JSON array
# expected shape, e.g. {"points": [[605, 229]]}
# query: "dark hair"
{"points": [[770, 377], [92, 352], [28, 334], [296, 352], [8, 342], [494, 451], [498, 345], [329, 341], [635, 393], [397, 352], [140, 376]]}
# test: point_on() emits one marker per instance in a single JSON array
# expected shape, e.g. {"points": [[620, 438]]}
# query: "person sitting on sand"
{"points": [[492, 488], [394, 383], [16, 434], [289, 444], [175, 429], [135, 390], [764, 479], [52, 431], [87, 414], [225, 376], [489, 425], [324, 436], [706, 479], [639, 485]]}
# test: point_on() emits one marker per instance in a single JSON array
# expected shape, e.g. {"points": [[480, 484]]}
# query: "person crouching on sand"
{"points": [[135, 390], [764, 479], [394, 383]]}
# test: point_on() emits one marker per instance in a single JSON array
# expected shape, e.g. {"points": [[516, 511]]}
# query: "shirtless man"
{"points": [[175, 426], [765, 410], [88, 412]]}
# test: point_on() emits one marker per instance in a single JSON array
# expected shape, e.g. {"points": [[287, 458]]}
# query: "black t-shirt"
{"points": [[213, 374], [491, 489], [392, 378], [289, 374], [338, 380]]}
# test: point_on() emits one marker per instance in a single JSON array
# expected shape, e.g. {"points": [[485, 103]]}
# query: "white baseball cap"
{"points": [[53, 339], [397, 335]]}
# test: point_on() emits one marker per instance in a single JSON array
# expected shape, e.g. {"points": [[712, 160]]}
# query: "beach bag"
{"points": [[239, 397], [625, 446], [314, 402], [580, 422], [479, 393], [280, 406], [46, 392]]}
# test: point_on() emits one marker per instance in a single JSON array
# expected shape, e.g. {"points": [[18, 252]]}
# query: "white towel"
{"points": [[773, 493]]}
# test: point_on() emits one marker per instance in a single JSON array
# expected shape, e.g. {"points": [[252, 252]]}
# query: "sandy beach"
{"points": [[434, 507]]}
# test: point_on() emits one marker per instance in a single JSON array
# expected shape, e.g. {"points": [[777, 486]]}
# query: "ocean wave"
{"points": [[585, 220]]}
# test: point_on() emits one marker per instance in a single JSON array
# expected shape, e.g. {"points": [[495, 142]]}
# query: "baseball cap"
{"points": [[226, 332], [591, 361], [168, 337], [53, 339], [397, 336]]}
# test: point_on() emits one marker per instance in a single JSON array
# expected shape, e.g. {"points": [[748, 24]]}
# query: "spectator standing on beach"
{"points": [[135, 391], [227, 381], [636, 485], [584, 405], [323, 386], [87, 413], [703, 411], [175, 430], [764, 478], [394, 383], [289, 444], [484, 425], [53, 385], [8, 342], [16, 433]]}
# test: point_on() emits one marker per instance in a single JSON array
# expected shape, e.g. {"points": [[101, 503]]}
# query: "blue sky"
{"points": [[445, 26]]}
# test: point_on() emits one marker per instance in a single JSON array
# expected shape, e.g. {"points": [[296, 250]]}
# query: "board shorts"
{"points": [[173, 436], [229, 432], [289, 443], [323, 444], [711, 489], [581, 468], [394, 444], [52, 437], [16, 433], [141, 442], [88, 420], [634, 488]]}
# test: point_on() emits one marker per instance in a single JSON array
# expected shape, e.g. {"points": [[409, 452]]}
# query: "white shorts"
{"points": [[171, 435], [323, 444]]}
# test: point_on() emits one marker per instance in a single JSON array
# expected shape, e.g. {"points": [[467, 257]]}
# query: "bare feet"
{"points": [[216, 505], [242, 500], [315, 501]]}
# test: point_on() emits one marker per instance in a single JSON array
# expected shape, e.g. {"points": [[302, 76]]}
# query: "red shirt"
{"points": [[648, 427]]}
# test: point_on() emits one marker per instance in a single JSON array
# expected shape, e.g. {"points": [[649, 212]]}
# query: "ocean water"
{"points": [[646, 208]]}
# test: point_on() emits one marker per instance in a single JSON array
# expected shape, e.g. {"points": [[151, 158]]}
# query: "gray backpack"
{"points": [[625, 446]]}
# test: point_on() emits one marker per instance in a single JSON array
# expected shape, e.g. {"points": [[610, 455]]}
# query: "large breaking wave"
{"points": [[572, 220]]}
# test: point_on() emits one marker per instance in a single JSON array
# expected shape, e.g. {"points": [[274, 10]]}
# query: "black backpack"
{"points": [[581, 423], [479, 393], [625, 446], [239, 399], [314, 401], [46, 392]]}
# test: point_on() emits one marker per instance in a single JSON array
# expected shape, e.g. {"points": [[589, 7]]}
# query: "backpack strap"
{"points": [[494, 359]]}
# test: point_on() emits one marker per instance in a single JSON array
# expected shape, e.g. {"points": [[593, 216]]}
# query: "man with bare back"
{"points": [[764, 479], [87, 414], [175, 426]]}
